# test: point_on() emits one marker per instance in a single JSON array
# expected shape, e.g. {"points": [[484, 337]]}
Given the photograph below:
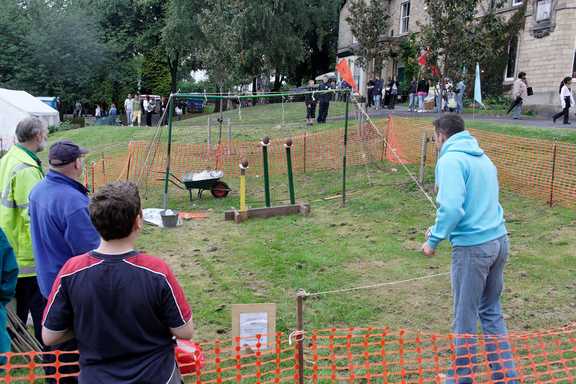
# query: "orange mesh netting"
{"points": [[541, 169], [369, 355]]}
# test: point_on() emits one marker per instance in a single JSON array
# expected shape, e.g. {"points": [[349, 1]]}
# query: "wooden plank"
{"points": [[262, 213]]}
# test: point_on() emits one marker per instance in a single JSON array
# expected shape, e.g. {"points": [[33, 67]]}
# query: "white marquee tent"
{"points": [[17, 105]]}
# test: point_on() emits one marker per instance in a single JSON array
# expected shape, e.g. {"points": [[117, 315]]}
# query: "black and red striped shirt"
{"points": [[121, 308]]}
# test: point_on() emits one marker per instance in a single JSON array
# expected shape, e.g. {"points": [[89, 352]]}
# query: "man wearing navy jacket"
{"points": [[60, 223]]}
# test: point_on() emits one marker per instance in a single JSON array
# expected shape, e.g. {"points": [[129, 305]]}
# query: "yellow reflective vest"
{"points": [[20, 171]]}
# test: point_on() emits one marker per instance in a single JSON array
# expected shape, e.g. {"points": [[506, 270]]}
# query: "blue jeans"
{"points": [[411, 102], [517, 111], [438, 103], [477, 284], [377, 99], [421, 102], [459, 103]]}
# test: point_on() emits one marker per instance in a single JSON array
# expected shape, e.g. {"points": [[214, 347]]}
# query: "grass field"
{"points": [[376, 238]]}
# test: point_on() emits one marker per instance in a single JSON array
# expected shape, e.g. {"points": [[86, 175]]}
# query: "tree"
{"points": [[461, 33], [276, 29], [320, 40], [369, 23]]}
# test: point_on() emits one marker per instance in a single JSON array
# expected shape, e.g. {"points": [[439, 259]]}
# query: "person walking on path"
{"points": [[123, 306], [20, 171], [412, 95], [566, 101], [392, 93], [324, 104], [136, 111], [61, 228], [129, 108], [310, 102], [459, 91], [519, 94], [8, 279], [148, 106], [470, 215], [422, 92]]}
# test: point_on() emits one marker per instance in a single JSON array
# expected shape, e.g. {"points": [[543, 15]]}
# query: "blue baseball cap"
{"points": [[64, 152]]}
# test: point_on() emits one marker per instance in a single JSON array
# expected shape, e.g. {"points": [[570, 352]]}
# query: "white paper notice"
{"points": [[252, 324]]}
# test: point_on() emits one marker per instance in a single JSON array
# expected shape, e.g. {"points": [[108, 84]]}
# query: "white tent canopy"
{"points": [[18, 105]]}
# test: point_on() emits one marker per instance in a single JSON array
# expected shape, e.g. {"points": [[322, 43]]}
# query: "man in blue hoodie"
{"points": [[470, 216], [60, 224]]}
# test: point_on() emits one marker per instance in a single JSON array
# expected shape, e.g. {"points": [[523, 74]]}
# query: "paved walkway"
{"points": [[526, 121]]}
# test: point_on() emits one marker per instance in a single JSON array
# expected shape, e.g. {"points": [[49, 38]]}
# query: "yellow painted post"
{"points": [[243, 168]]}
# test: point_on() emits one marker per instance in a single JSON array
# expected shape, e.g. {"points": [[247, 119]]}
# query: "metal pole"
{"points": [[288, 147], [345, 150], [265, 143], [301, 295], [304, 152], [555, 150], [169, 152], [423, 153]]}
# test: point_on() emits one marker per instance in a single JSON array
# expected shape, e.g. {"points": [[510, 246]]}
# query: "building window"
{"points": [[574, 65], [517, 2], [512, 58], [404, 17], [543, 11]]}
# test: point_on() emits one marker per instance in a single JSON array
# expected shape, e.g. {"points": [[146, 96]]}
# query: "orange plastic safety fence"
{"points": [[541, 169], [369, 355]]}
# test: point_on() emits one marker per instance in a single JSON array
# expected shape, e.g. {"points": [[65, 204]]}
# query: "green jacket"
{"points": [[20, 171]]}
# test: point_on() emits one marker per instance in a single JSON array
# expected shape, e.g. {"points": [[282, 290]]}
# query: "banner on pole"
{"points": [[344, 70]]}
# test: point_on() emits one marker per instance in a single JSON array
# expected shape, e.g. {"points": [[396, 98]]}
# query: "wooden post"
{"points": [[243, 168], [301, 295], [229, 126], [210, 133], [423, 154], [553, 176]]}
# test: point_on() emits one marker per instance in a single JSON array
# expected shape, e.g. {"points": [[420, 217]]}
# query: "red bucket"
{"points": [[189, 356]]}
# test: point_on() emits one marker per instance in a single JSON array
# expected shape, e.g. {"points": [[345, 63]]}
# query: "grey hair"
{"points": [[29, 128]]}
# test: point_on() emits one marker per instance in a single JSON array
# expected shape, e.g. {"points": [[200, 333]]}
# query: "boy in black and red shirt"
{"points": [[122, 306]]}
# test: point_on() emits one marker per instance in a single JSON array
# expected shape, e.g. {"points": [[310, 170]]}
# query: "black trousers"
{"points": [[392, 101], [323, 111], [29, 299], [565, 112], [149, 119], [310, 110]]}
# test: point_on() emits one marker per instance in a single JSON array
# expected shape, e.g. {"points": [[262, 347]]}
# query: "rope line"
{"points": [[393, 150], [372, 286]]}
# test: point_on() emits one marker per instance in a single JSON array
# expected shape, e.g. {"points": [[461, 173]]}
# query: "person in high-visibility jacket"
{"points": [[8, 276], [20, 171]]}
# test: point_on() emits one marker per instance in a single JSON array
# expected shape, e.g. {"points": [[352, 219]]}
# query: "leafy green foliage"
{"points": [[461, 33], [369, 23]]}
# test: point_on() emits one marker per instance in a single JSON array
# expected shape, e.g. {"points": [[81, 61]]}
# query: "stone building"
{"points": [[545, 48]]}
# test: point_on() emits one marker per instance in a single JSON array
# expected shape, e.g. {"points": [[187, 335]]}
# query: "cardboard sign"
{"points": [[250, 320]]}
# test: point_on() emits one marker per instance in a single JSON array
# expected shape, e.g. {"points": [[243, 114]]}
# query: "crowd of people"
{"points": [[70, 262], [322, 99]]}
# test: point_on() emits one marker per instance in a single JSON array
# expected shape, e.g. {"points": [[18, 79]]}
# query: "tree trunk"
{"points": [[254, 91], [173, 67], [277, 80]]}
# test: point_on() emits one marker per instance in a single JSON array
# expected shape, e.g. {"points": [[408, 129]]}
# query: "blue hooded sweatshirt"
{"points": [[469, 212], [60, 225]]}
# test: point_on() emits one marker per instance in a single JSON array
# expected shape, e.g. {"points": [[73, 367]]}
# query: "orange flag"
{"points": [[346, 74]]}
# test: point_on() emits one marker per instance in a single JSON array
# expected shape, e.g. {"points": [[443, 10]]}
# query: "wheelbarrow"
{"points": [[202, 181], [206, 180]]}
